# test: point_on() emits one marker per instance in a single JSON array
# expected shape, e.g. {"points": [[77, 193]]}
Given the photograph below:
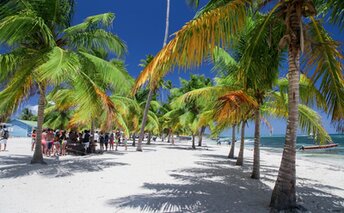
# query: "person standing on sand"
{"points": [[44, 141], [106, 141], [4, 135], [118, 136], [101, 140], [96, 137], [50, 141], [33, 139], [125, 142], [112, 138], [86, 140], [63, 139], [57, 143]]}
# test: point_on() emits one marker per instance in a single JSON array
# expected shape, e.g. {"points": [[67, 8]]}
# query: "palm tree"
{"points": [[192, 117], [219, 20], [46, 50]]}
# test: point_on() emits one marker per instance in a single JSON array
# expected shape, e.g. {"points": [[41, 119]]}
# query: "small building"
{"points": [[21, 128]]}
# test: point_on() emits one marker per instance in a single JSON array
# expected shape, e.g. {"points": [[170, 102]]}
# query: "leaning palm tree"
{"points": [[46, 50], [215, 25]]}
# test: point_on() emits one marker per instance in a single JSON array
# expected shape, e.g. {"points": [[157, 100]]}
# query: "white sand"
{"points": [[163, 178]]}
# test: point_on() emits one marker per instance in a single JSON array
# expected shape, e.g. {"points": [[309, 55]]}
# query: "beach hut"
{"points": [[21, 128]]}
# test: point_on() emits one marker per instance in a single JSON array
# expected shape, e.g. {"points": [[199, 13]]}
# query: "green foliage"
{"points": [[27, 115]]}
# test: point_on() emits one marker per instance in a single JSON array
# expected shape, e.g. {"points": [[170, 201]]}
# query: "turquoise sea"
{"points": [[276, 143]]}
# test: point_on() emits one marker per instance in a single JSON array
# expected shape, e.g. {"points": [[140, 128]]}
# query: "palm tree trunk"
{"points": [[37, 155], [256, 152], [149, 138], [144, 120], [169, 136], [193, 141], [240, 159], [200, 137], [231, 152], [284, 193], [150, 95], [167, 22]]}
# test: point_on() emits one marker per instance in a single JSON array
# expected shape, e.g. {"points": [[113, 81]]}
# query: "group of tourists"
{"points": [[55, 142]]}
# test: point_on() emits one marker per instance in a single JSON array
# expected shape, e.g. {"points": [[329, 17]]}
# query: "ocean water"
{"points": [[276, 143]]}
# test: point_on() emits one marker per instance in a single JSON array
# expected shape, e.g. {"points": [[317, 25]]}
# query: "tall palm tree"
{"points": [[219, 20], [46, 50], [152, 87]]}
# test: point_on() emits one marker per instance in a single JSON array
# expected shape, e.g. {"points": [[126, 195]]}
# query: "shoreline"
{"points": [[163, 178]]}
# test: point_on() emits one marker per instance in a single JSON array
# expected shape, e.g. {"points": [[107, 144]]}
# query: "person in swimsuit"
{"points": [[63, 139], [125, 142], [50, 142], [44, 141], [112, 138], [33, 139], [57, 143]]}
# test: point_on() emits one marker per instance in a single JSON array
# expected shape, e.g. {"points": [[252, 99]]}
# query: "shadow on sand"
{"points": [[18, 165], [219, 186]]}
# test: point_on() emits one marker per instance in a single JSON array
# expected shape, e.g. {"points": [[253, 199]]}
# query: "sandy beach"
{"points": [[163, 178]]}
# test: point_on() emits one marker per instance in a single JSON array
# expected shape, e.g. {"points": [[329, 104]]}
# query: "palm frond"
{"points": [[196, 41], [18, 88], [20, 27], [323, 56], [59, 64], [95, 39], [309, 94], [234, 105], [206, 94], [104, 21], [310, 122], [224, 63], [106, 72]]}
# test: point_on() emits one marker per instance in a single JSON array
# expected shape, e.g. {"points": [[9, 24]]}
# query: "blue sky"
{"points": [[141, 25]]}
